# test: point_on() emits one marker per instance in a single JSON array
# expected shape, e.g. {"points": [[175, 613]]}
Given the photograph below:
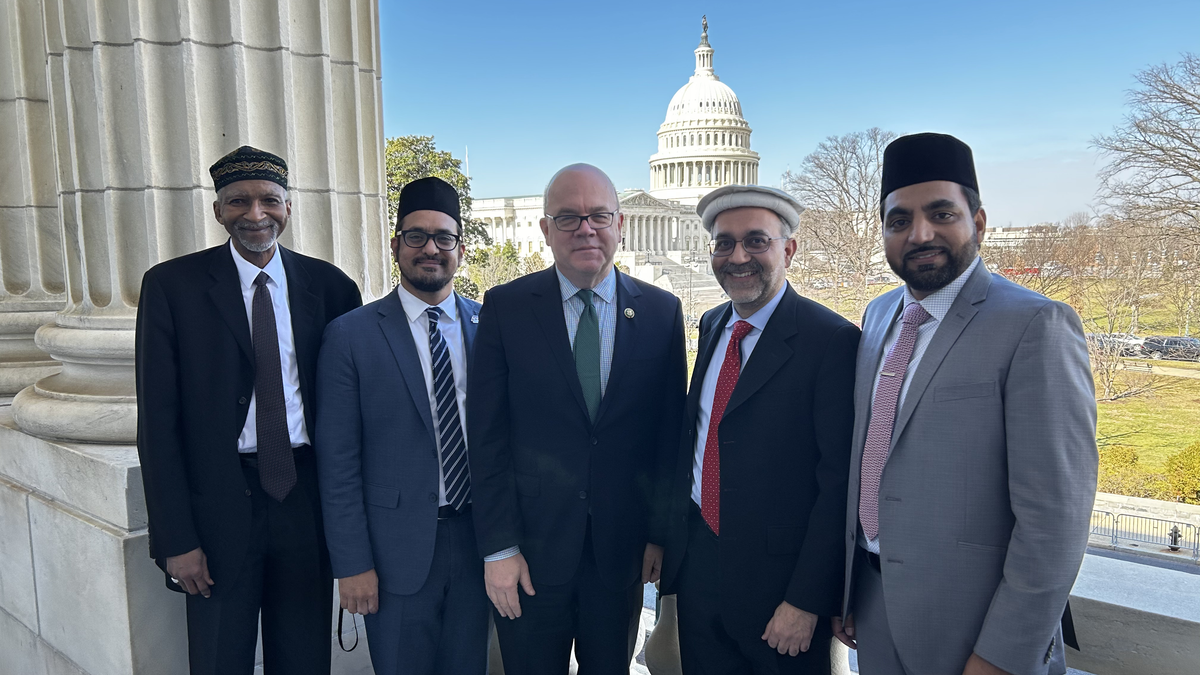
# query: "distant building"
{"points": [[703, 144]]}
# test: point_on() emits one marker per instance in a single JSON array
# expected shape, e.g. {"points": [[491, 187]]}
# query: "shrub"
{"points": [[1183, 475]]}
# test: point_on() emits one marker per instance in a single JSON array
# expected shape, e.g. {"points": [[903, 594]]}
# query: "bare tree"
{"points": [[1154, 168], [839, 184], [1180, 275], [1050, 258]]}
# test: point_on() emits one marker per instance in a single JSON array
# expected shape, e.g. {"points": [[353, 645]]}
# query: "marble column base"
{"points": [[78, 591], [93, 399], [21, 362]]}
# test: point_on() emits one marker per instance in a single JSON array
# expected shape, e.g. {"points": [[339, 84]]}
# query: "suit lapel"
{"points": [[305, 308], [548, 310], [625, 342], [961, 312], [704, 354], [394, 324], [468, 320], [770, 352], [226, 294]]}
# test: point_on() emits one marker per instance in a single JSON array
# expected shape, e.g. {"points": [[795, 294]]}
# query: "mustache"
{"points": [[248, 224], [428, 258], [731, 268], [926, 249]]}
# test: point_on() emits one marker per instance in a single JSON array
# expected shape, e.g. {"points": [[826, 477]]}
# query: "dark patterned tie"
{"points": [[276, 466], [710, 470], [587, 353], [455, 473]]}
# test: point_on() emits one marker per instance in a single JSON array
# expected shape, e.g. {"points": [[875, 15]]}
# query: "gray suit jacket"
{"points": [[377, 459], [986, 496]]}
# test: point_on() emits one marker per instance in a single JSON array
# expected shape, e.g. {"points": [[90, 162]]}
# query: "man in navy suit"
{"points": [[394, 481], [576, 392]]}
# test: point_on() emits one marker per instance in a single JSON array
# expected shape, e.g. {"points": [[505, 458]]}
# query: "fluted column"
{"points": [[32, 284], [143, 98]]}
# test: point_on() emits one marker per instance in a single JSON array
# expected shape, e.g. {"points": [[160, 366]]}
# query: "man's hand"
{"points": [[360, 593], [844, 631], [652, 563], [977, 666], [790, 631], [501, 578], [190, 571]]}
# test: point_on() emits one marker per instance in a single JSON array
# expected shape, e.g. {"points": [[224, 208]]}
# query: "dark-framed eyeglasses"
{"points": [[417, 238], [755, 243], [572, 222]]}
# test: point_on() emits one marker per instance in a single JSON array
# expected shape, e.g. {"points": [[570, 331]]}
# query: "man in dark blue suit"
{"points": [[576, 399], [394, 481]]}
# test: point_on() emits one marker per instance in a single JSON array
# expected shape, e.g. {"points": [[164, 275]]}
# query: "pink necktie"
{"points": [[710, 470], [883, 418]]}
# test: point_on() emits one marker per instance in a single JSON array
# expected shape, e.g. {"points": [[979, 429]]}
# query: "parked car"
{"points": [[1172, 347], [1123, 344]]}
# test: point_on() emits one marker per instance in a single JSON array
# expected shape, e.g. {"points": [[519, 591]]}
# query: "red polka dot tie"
{"points": [[710, 482]]}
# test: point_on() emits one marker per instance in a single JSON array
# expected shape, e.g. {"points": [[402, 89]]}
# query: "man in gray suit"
{"points": [[974, 459], [392, 464]]}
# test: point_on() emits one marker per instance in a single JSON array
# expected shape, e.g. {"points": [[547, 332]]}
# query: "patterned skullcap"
{"points": [[247, 163]]}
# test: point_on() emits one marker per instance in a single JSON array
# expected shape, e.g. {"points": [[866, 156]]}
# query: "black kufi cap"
{"points": [[247, 163], [429, 194], [921, 158]]}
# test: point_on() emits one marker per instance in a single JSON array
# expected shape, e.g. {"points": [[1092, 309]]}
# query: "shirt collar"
{"points": [[248, 271], [414, 307], [603, 290], [938, 302], [760, 318]]}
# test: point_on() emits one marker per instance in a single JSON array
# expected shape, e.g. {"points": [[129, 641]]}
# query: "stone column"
{"points": [[138, 99], [142, 101], [32, 280]]}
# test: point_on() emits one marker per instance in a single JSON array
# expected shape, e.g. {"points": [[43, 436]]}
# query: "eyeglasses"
{"points": [[417, 239], [570, 223], [755, 243]]}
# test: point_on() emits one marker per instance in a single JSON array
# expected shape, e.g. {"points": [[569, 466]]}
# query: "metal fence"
{"points": [[1129, 528]]}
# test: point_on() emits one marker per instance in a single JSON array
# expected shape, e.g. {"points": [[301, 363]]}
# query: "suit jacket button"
{"points": [[433, 496], [595, 440], [583, 494], [242, 401], [247, 493]]}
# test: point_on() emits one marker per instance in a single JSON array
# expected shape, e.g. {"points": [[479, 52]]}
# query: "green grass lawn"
{"points": [[1158, 424]]}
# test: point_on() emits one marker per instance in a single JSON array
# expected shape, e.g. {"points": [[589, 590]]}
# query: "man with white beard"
{"points": [[227, 342]]}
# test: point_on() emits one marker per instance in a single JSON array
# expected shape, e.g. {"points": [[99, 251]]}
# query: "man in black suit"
{"points": [[227, 342], [758, 506], [574, 409]]}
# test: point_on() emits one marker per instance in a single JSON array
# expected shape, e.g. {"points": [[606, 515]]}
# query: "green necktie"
{"points": [[587, 353]]}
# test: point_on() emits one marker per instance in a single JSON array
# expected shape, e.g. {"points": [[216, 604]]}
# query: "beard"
{"points": [[749, 294], [929, 277], [427, 282], [245, 238]]}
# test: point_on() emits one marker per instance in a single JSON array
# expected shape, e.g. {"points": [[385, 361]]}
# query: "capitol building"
{"points": [[703, 144]]}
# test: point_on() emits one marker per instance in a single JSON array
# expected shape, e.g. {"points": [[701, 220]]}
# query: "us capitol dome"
{"points": [[704, 142]]}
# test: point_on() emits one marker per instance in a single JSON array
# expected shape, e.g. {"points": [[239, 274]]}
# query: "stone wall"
{"points": [[1152, 508]]}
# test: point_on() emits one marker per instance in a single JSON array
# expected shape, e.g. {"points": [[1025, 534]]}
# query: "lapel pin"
{"points": [[474, 318], [628, 312]]}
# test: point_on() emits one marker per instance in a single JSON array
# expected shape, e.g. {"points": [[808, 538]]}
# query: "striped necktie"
{"points": [[451, 443]]}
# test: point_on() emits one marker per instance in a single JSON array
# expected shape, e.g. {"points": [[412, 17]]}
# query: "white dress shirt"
{"points": [[451, 329], [278, 286], [708, 389], [938, 305]]}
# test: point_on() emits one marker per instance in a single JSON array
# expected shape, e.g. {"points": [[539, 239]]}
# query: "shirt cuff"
{"points": [[502, 555]]}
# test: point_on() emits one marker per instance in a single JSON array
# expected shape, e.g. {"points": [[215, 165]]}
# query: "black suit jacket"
{"points": [[539, 467], [785, 457], [195, 375]]}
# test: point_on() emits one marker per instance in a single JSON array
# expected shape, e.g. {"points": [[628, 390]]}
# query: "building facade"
{"points": [[703, 144]]}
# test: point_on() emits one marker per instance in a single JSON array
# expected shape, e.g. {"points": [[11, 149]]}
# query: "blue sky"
{"points": [[532, 86]]}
